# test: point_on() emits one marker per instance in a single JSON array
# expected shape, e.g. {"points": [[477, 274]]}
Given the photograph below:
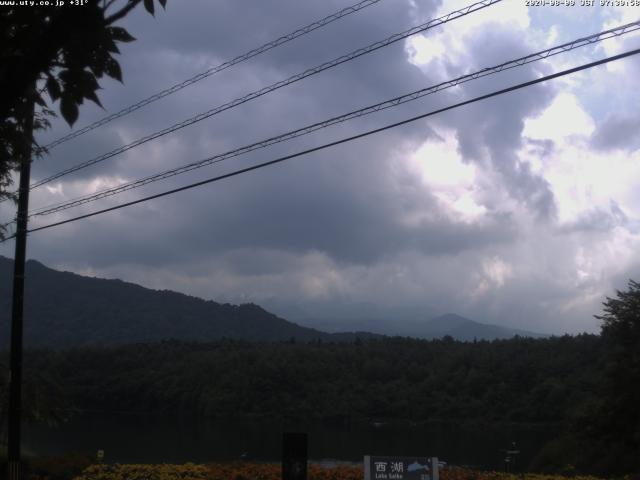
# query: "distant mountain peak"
{"points": [[451, 324], [462, 328], [448, 321]]}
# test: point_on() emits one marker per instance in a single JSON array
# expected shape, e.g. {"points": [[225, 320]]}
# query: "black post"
{"points": [[17, 307], [294, 456]]}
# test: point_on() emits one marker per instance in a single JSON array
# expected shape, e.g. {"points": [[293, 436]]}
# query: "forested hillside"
{"points": [[65, 310]]}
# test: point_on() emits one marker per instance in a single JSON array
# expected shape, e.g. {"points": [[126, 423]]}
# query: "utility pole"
{"points": [[17, 305]]}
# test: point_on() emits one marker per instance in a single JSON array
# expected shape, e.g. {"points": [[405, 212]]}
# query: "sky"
{"points": [[520, 210]]}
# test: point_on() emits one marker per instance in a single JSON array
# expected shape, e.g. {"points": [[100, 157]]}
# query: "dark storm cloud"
{"points": [[342, 205], [224, 30], [357, 209], [341, 202], [617, 131], [191, 43], [351, 217]]}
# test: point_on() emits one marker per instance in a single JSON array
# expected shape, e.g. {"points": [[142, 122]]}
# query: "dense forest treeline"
{"points": [[587, 386], [518, 380], [555, 382]]}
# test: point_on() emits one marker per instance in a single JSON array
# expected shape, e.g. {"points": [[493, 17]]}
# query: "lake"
{"points": [[153, 439]]}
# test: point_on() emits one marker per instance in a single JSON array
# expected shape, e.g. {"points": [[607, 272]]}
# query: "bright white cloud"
{"points": [[493, 274], [447, 176], [582, 178], [451, 43], [563, 118], [614, 17]]}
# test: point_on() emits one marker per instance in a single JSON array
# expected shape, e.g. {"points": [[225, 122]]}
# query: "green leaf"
{"points": [[88, 85], [98, 61], [53, 87], [148, 4], [163, 3], [88, 81], [94, 98], [69, 110], [112, 68], [120, 34], [110, 45]]}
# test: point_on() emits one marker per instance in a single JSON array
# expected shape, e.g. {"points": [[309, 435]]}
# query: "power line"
{"points": [[282, 83], [345, 140], [580, 42], [217, 69]]}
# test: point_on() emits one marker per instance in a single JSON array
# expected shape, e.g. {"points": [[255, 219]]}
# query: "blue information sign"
{"points": [[400, 468]]}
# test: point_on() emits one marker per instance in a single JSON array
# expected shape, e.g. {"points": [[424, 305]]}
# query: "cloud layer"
{"points": [[519, 211]]}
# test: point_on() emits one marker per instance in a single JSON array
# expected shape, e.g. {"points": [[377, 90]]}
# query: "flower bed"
{"points": [[270, 471]]}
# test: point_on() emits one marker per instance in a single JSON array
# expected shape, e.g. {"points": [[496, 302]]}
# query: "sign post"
{"points": [[294, 456], [400, 468]]}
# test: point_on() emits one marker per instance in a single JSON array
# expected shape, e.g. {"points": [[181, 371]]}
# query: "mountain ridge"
{"points": [[451, 324], [67, 310]]}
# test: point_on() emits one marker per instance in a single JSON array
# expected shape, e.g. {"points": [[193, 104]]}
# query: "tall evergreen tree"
{"points": [[617, 426]]}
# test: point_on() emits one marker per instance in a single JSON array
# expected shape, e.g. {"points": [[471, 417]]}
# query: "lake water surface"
{"points": [[152, 439]]}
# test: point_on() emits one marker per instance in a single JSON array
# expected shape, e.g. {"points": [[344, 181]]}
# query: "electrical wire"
{"points": [[219, 68], [258, 93], [343, 140], [566, 47]]}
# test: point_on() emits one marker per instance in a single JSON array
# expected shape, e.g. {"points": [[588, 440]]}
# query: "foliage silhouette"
{"points": [[65, 50]]}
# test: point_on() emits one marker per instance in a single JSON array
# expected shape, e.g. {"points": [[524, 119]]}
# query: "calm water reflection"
{"points": [[151, 439]]}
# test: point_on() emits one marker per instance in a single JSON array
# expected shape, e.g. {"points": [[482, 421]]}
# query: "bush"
{"points": [[61, 467]]}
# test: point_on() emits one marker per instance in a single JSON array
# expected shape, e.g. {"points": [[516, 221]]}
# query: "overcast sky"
{"points": [[521, 210]]}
